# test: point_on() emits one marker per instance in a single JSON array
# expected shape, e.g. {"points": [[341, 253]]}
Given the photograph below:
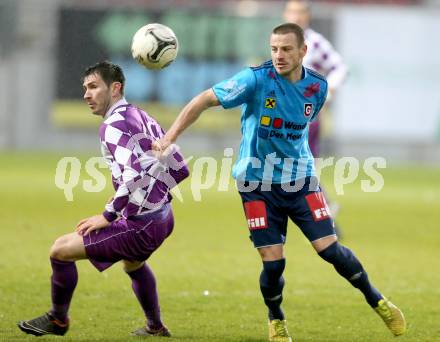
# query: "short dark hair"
{"points": [[109, 73], [291, 28]]}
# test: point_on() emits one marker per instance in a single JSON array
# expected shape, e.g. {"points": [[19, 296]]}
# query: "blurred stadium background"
{"points": [[389, 107]]}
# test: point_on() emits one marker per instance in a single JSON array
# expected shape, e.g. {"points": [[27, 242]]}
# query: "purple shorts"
{"points": [[132, 239]]}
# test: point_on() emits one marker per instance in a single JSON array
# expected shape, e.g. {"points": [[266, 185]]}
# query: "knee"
{"points": [[330, 253], [274, 269], [131, 266], [59, 249], [323, 243], [271, 253], [337, 253]]}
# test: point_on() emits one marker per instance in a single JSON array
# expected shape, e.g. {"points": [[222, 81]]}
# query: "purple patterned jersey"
{"points": [[141, 181], [323, 58]]}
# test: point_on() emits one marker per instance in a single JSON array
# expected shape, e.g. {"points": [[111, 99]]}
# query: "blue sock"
{"points": [[271, 285], [348, 266]]}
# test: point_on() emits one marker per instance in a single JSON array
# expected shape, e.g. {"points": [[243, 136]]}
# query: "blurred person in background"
{"points": [[275, 170], [136, 220], [323, 58]]}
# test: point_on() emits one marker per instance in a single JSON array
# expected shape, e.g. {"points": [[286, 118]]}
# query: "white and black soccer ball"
{"points": [[154, 46]]}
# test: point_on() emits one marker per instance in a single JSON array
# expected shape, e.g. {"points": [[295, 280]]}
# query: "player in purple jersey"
{"points": [[321, 57], [136, 220]]}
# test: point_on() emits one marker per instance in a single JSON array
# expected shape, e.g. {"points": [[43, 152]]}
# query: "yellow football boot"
{"points": [[392, 316], [278, 331]]}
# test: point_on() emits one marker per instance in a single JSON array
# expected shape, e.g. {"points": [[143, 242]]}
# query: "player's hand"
{"points": [[90, 224], [160, 147]]}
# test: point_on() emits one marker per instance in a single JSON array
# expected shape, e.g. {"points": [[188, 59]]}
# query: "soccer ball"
{"points": [[154, 46]]}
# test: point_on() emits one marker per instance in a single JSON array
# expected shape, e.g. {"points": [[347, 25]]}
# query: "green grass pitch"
{"points": [[395, 233]]}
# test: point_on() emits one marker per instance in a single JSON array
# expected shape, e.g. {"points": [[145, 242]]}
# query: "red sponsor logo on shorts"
{"points": [[256, 215], [318, 206]]}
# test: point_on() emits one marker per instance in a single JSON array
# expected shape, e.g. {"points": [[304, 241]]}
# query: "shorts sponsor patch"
{"points": [[318, 206], [256, 215]]}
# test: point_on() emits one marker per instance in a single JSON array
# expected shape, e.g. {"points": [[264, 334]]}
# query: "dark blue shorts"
{"points": [[267, 212], [132, 239]]}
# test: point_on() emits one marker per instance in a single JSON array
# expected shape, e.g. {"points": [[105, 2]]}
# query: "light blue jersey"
{"points": [[274, 122]]}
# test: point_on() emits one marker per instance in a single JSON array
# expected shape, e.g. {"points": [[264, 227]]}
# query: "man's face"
{"points": [[287, 56], [297, 13], [97, 94]]}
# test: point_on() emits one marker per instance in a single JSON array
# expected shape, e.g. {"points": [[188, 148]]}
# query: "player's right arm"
{"points": [[189, 114], [229, 93]]}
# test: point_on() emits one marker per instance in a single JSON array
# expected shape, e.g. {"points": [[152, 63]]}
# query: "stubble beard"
{"points": [[292, 70], [105, 107]]}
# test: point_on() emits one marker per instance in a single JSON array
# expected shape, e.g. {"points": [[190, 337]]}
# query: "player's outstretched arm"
{"points": [[186, 117]]}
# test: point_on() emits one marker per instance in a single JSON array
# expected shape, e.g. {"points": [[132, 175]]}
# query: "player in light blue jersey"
{"points": [[275, 118], [275, 169]]}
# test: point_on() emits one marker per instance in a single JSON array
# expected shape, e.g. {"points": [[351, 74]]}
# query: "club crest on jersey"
{"points": [[308, 109], [270, 103]]}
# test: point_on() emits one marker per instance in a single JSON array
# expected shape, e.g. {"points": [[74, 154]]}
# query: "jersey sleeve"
{"points": [[175, 164], [237, 90]]}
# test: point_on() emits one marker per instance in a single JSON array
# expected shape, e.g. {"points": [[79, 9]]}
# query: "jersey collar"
{"points": [[304, 75], [117, 104]]}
